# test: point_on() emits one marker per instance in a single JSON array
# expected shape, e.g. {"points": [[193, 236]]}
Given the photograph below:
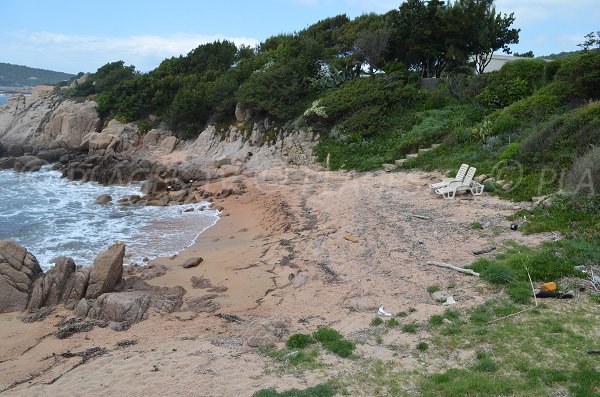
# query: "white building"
{"points": [[500, 60]]}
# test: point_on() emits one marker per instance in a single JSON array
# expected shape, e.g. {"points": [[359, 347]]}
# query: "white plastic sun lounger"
{"points": [[460, 176], [467, 184]]}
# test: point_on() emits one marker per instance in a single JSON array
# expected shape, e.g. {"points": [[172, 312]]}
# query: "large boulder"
{"points": [[168, 144], [64, 283], [99, 141], [121, 306], [18, 271], [76, 287], [51, 155], [48, 290], [131, 303], [106, 272], [7, 163], [70, 122], [28, 164]]}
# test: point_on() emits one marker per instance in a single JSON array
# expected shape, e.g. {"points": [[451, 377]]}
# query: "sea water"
{"points": [[52, 216], [3, 98]]}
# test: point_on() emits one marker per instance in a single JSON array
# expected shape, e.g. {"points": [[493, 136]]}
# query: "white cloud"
{"points": [[537, 10], [87, 53]]}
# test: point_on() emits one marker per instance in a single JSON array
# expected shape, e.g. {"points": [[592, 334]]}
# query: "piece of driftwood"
{"points": [[419, 216], [484, 251], [452, 267]]}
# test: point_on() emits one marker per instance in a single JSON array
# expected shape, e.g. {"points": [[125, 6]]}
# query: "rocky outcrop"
{"points": [[69, 123], [45, 120], [106, 272], [18, 271], [98, 293]]}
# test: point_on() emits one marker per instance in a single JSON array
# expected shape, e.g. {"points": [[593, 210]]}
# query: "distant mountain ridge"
{"points": [[22, 76]]}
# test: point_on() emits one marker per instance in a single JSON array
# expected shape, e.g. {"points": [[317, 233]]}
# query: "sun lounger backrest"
{"points": [[462, 171], [469, 177]]}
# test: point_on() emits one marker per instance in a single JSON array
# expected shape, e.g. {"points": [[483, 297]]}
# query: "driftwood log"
{"points": [[452, 267]]}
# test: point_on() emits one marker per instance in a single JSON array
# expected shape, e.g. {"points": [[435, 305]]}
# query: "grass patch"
{"points": [[323, 390], [333, 341], [392, 323], [476, 226], [376, 321], [510, 363], [292, 360], [410, 328], [484, 363], [422, 346], [402, 314], [436, 320], [433, 288]]}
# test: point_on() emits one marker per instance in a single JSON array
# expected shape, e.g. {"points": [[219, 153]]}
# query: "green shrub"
{"points": [[433, 288], [299, 341], [422, 346], [436, 320], [516, 80], [511, 151], [326, 334], [580, 75], [342, 347], [493, 272], [410, 328], [392, 323], [564, 137], [476, 226], [144, 126], [376, 321], [466, 87]]}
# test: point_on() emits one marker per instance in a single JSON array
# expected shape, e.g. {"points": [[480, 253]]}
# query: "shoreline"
{"points": [[277, 262]]}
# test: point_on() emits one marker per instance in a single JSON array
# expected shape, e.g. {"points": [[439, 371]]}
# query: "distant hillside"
{"points": [[561, 55], [21, 76]]}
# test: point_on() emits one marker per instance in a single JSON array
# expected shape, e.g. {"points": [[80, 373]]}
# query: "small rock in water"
{"points": [[104, 199], [188, 210]]}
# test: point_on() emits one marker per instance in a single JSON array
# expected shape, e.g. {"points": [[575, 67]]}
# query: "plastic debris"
{"points": [[383, 313], [514, 226], [449, 301], [548, 287]]}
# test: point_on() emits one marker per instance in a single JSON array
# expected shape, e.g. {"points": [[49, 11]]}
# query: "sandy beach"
{"points": [[300, 249]]}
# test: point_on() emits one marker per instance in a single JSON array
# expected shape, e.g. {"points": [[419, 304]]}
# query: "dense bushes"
{"points": [[564, 137], [516, 80], [579, 76]]}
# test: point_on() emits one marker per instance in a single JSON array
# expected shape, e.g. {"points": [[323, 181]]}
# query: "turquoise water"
{"points": [[52, 216], [3, 99]]}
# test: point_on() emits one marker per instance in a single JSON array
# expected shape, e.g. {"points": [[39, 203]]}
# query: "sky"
{"points": [[80, 36]]}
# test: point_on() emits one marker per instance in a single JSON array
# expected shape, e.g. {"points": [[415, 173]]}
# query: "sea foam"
{"points": [[52, 216]]}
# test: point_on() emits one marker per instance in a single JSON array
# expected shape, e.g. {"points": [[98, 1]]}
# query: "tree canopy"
{"points": [[283, 75]]}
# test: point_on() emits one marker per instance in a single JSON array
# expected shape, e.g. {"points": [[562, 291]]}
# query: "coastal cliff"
{"points": [[51, 128]]}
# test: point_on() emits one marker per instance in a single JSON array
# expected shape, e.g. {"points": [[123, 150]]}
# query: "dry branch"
{"points": [[452, 267]]}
